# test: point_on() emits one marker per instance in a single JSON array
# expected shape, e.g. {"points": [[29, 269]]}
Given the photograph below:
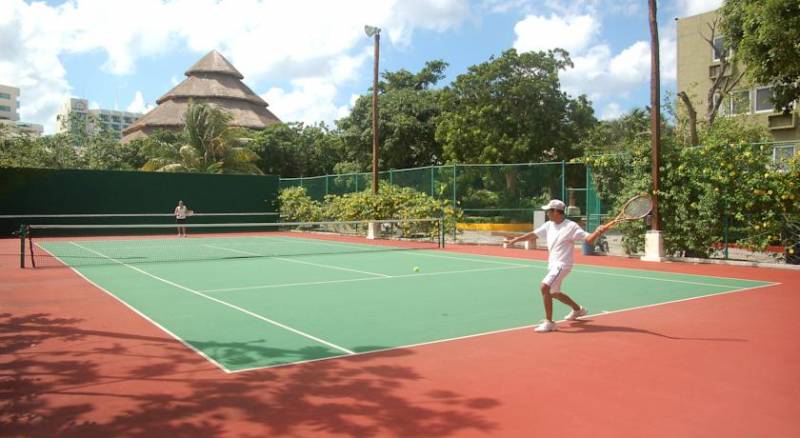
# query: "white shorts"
{"points": [[555, 276]]}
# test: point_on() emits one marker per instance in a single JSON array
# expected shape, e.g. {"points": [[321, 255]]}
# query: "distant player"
{"points": [[561, 234], [181, 212]]}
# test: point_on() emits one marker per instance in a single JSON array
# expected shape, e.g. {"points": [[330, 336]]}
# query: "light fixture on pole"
{"points": [[375, 32]]}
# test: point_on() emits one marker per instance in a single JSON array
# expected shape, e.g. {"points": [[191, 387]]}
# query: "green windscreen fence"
{"points": [[501, 193], [36, 192]]}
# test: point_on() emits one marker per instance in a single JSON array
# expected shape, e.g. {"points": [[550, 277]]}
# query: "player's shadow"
{"points": [[589, 326]]}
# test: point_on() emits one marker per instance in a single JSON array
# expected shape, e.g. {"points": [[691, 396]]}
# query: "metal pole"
{"points": [[22, 246], [375, 116], [725, 234], [655, 114]]}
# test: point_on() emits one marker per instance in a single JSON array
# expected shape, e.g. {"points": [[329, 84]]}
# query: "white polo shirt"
{"points": [[561, 241], [180, 212]]}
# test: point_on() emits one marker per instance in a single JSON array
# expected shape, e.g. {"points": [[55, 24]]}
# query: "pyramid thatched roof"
{"points": [[211, 80]]}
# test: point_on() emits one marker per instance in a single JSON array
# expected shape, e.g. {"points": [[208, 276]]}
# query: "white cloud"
{"points": [[632, 64], [572, 33], [694, 7], [263, 39], [309, 101], [503, 6], [668, 52], [611, 111], [138, 104], [599, 72]]}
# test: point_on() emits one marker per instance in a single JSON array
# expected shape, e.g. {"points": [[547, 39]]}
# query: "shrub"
{"points": [[297, 206], [392, 202]]}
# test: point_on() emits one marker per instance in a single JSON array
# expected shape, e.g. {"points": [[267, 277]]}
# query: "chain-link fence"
{"points": [[487, 193]]}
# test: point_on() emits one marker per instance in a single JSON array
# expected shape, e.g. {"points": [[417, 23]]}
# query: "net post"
{"points": [[22, 246], [725, 233], [30, 244], [441, 230], [455, 197]]}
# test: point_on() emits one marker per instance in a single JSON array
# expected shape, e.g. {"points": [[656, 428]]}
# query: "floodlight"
{"points": [[371, 30]]}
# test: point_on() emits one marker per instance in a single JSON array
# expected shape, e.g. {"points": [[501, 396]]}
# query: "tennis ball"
{"points": [[416, 268]]}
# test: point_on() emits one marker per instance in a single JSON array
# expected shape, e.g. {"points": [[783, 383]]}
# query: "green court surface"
{"points": [[284, 300]]}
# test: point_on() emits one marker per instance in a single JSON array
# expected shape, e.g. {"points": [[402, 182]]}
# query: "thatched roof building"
{"points": [[211, 80]]}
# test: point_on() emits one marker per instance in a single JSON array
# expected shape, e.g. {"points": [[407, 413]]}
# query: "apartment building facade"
{"points": [[9, 113], [9, 103], [699, 64], [76, 114]]}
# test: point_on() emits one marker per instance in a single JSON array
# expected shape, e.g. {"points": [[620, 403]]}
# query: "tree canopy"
{"points": [[211, 146], [765, 35], [511, 109], [408, 108]]}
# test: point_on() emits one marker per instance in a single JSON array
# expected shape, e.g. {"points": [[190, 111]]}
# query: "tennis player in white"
{"points": [[561, 234]]}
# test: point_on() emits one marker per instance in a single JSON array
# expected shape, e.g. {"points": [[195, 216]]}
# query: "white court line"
{"points": [[147, 318], [540, 264], [524, 327], [670, 280], [233, 306], [349, 280], [321, 265]]}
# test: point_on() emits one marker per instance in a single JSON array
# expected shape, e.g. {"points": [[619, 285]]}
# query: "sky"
{"points": [[310, 59]]}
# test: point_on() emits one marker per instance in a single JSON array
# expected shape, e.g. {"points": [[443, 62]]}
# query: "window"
{"points": [[784, 152], [115, 119], [764, 99], [740, 102], [719, 48], [5, 108], [5, 96]]}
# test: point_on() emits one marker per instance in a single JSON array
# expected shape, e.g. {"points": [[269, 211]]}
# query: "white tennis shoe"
{"points": [[575, 314], [546, 326]]}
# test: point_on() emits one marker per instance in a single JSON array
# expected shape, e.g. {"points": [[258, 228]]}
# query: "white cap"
{"points": [[555, 204]]}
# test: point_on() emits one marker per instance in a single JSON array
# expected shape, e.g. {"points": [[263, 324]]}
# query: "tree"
{"points": [[617, 135], [295, 149], [720, 89], [511, 109], [212, 146], [78, 148], [408, 109], [765, 35]]}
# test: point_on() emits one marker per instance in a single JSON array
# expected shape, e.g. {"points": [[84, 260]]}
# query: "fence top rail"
{"points": [[451, 165]]}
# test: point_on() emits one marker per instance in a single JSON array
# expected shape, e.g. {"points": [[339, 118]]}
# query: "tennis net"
{"points": [[53, 245]]}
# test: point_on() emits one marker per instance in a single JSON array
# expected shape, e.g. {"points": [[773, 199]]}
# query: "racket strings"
{"points": [[638, 207]]}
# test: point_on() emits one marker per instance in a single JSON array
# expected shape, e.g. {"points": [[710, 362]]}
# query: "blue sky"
{"points": [[310, 59]]}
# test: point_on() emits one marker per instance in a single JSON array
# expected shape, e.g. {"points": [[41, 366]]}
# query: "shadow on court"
{"points": [[589, 326], [57, 379]]}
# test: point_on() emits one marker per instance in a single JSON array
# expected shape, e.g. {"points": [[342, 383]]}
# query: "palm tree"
{"points": [[212, 146]]}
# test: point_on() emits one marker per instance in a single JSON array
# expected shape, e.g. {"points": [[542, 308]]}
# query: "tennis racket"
{"points": [[636, 208]]}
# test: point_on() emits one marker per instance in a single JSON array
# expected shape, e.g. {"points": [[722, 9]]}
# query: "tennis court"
{"points": [[292, 333], [260, 300]]}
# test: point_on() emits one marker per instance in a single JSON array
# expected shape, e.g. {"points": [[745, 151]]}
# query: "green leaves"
{"points": [[511, 109], [392, 202], [211, 146], [729, 189], [764, 34]]}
